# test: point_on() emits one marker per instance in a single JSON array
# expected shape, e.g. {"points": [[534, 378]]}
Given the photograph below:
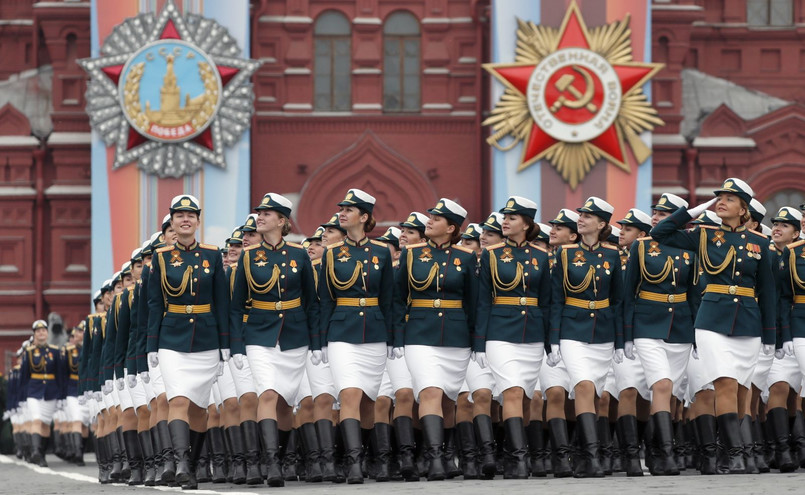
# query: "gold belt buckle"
{"points": [[362, 302], [188, 309], [278, 305], [523, 301], [437, 303], [733, 289], [671, 298], [591, 305]]}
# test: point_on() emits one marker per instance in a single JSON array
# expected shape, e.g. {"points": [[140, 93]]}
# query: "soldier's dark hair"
{"points": [[747, 215], [286, 227], [455, 237], [533, 229], [370, 222], [605, 232]]}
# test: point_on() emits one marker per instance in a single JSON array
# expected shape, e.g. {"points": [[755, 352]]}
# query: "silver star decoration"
{"points": [[169, 159]]}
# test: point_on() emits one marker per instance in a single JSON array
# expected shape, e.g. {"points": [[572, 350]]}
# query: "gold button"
{"points": [[192, 320], [739, 260], [673, 283], [278, 305], [282, 276], [195, 266], [671, 298], [526, 262], [437, 303], [677, 257], [188, 309], [591, 305], [197, 255], [600, 255], [362, 302], [440, 313], [444, 263], [526, 251], [670, 310], [733, 290], [743, 236], [676, 269], [360, 314], [446, 251], [366, 249], [284, 252], [737, 273], [283, 264], [598, 278], [598, 266], [522, 312], [282, 290], [523, 301], [592, 315], [525, 274], [280, 315], [441, 275], [365, 274], [195, 280], [740, 247], [735, 300]]}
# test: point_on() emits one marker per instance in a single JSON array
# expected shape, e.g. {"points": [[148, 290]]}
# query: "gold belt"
{"points": [[732, 290], [663, 298], [799, 299], [73, 376], [43, 376], [189, 309], [584, 304], [436, 303], [357, 302], [516, 301], [278, 305]]}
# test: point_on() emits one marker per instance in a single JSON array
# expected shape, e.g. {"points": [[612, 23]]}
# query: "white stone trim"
{"points": [[668, 139], [467, 60], [16, 22], [59, 292], [437, 106], [447, 20], [70, 138], [724, 142], [297, 71], [366, 70], [7, 191], [291, 19], [68, 190], [436, 70], [367, 106], [41, 5], [467, 99], [18, 141], [297, 106], [375, 21], [463, 113]]}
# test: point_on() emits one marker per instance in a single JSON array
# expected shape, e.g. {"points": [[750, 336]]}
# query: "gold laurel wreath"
{"points": [[131, 96], [573, 161]]}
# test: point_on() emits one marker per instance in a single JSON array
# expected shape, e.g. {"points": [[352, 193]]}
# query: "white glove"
{"points": [[788, 347], [695, 353], [628, 350], [220, 372], [618, 356], [399, 352], [779, 354], [60, 405], [324, 358], [315, 357], [82, 400], [698, 210], [480, 359], [131, 381], [106, 388], [389, 352], [6, 415], [153, 359], [97, 396], [121, 383], [145, 377], [554, 357], [768, 349], [238, 360], [225, 353]]}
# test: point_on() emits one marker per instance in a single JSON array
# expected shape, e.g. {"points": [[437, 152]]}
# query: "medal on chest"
{"points": [[606, 267], [457, 264], [176, 258], [293, 266], [686, 257], [376, 262], [535, 264], [206, 265]]}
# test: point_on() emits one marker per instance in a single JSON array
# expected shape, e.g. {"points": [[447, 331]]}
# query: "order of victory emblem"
{"points": [[170, 92], [572, 96]]}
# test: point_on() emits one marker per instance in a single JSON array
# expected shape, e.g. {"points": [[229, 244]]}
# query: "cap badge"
{"points": [[783, 212], [266, 200], [411, 219], [185, 202], [728, 184], [663, 200], [510, 204], [588, 204]]}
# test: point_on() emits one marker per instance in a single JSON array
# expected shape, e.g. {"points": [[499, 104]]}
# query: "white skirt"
{"points": [[243, 378], [277, 370], [399, 374], [357, 366], [611, 383], [586, 362], [479, 378], [189, 374], [108, 400], [553, 376], [799, 353], [441, 367], [155, 379], [226, 385], [321, 381], [760, 377], [304, 386], [731, 357], [515, 365], [75, 411], [785, 370], [697, 377], [386, 389], [662, 360], [132, 397], [41, 410]]}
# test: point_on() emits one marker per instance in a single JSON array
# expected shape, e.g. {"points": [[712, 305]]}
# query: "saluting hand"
{"points": [[698, 210]]}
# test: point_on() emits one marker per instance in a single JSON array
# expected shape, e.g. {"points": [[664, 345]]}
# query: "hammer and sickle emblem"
{"points": [[565, 83]]}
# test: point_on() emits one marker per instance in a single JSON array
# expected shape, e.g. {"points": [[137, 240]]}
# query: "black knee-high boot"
{"points": [[404, 431], [590, 445], [104, 460], [746, 440], [485, 436], [630, 445], [469, 450], [310, 446], [217, 447], [269, 434], [117, 457], [135, 455], [605, 437], [797, 424], [125, 466], [382, 448], [39, 446], [159, 463], [758, 447], [706, 426], [664, 463], [78, 448], [452, 469], [251, 441], [203, 464], [168, 459], [180, 439], [238, 468], [324, 432], [778, 418], [516, 450], [353, 449], [197, 439], [679, 444], [433, 430], [730, 434], [560, 446], [289, 448], [536, 448], [147, 446]]}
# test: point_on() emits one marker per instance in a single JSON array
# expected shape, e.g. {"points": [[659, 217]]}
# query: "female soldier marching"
{"points": [[188, 302]]}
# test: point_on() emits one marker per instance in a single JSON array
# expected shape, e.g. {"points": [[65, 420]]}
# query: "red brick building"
{"points": [[384, 95]]}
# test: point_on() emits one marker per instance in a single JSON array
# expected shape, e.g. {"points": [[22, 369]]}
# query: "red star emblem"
{"points": [[169, 32], [571, 95]]}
